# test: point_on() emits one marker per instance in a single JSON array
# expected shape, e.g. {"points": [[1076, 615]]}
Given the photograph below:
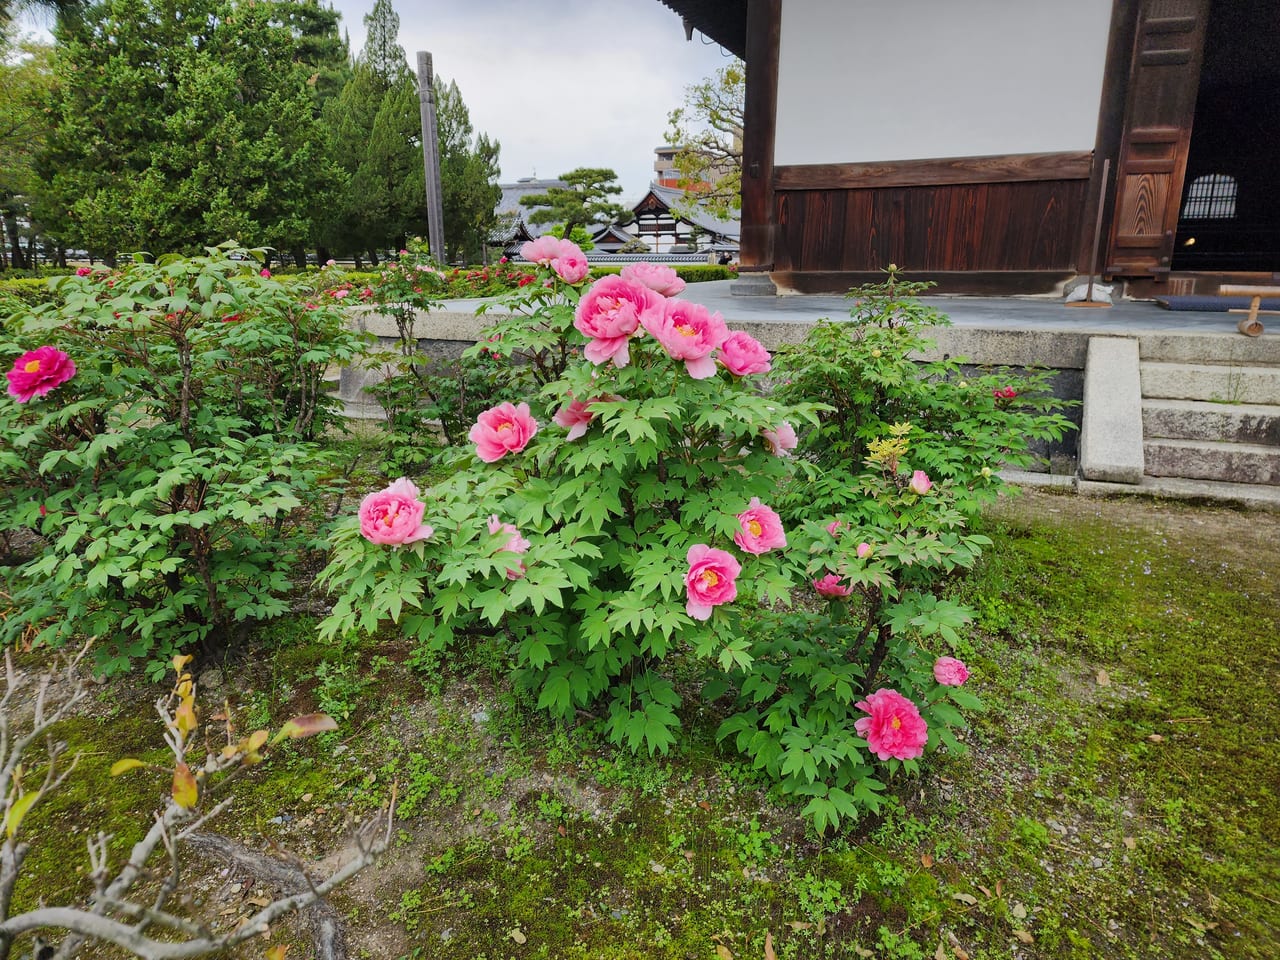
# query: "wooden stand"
{"points": [[1249, 324]]}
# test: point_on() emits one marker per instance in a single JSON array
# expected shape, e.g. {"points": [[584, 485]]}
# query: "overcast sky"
{"points": [[558, 83]]}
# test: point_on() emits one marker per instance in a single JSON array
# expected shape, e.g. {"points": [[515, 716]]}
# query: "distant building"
{"points": [[513, 227], [662, 228]]}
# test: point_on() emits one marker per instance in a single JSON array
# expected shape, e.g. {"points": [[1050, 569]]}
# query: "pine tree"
{"points": [[585, 201]]}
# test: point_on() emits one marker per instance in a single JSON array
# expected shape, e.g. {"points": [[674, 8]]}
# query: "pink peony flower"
{"points": [[83, 271], [950, 672], [832, 586], [742, 355], [546, 248], [895, 727], [501, 430], [339, 293], [264, 272], [864, 550], [515, 544], [575, 417], [570, 264], [711, 580], [610, 311], [920, 483], [834, 527], [689, 332], [761, 529], [1006, 393], [655, 276], [394, 516], [38, 371], [781, 439]]}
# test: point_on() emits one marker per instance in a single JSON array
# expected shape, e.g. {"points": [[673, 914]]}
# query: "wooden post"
{"points": [[431, 158]]}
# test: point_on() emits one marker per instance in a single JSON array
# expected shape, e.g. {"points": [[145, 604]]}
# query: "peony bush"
{"points": [[159, 458], [619, 532]]}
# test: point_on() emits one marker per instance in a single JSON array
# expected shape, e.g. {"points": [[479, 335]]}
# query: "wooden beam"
{"points": [[1005, 168]]}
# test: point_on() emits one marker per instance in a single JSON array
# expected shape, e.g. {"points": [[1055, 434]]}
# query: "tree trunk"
{"points": [[300, 257], [323, 255], [373, 258], [16, 258]]}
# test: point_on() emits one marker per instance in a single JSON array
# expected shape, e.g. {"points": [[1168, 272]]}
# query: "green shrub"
{"points": [[163, 483], [596, 561], [964, 426], [23, 291]]}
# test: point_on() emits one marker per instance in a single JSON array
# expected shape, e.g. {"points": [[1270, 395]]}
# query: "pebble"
{"points": [[480, 716], [446, 934]]}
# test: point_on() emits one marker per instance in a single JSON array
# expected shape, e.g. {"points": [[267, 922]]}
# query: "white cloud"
{"points": [[564, 84]]}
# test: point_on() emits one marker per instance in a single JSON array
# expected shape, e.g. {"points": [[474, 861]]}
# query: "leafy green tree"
{"points": [[179, 123], [319, 45], [375, 133], [24, 85], [584, 201], [468, 176], [708, 129]]}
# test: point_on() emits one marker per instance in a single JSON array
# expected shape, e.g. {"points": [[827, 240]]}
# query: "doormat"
{"points": [[1214, 304]]}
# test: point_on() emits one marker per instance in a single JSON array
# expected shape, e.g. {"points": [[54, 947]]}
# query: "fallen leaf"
{"points": [[128, 763], [1024, 936], [307, 725], [723, 952], [306, 797], [926, 860], [1130, 843], [768, 946], [966, 898], [277, 952], [258, 901], [960, 952], [999, 888], [517, 935], [940, 953], [1104, 679], [1019, 911], [656, 867], [799, 925], [688, 855], [704, 805], [562, 831], [863, 952], [985, 892], [1156, 738]]}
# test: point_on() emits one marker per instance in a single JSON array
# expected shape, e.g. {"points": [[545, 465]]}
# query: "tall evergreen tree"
{"points": [[181, 123], [468, 177]]}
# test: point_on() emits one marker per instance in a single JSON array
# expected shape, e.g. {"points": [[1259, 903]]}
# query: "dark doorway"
{"points": [[1230, 214]]}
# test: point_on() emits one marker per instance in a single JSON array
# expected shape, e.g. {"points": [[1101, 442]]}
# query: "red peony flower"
{"points": [[38, 371]]}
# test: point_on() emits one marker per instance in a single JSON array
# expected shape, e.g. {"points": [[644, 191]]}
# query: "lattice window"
{"points": [[1211, 197]]}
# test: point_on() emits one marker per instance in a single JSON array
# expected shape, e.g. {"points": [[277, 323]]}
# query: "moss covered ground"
{"points": [[1119, 799]]}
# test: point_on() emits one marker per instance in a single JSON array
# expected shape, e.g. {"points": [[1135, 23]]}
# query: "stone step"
{"points": [[1249, 463], [1229, 348], [1204, 420], [1225, 383]]}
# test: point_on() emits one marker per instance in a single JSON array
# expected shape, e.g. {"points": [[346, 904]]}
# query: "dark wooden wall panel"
{"points": [[1031, 225]]}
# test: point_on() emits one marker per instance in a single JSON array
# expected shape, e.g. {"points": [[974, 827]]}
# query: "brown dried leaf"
{"points": [[517, 935], [926, 860], [940, 953], [723, 952], [1156, 738], [1024, 936], [799, 925], [704, 805], [1104, 679], [768, 946], [965, 898], [985, 892], [1130, 843]]}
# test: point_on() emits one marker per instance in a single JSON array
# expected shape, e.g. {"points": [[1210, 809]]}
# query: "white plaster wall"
{"points": [[869, 80]]}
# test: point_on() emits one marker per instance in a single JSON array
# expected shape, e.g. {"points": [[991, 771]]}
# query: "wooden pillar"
{"points": [[764, 31], [431, 158]]}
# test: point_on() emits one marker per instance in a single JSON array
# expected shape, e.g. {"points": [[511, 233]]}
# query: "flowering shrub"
{"points": [[963, 427], [636, 528], [156, 453]]}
